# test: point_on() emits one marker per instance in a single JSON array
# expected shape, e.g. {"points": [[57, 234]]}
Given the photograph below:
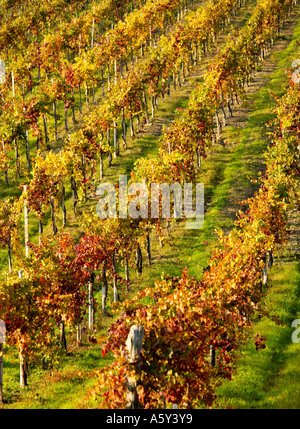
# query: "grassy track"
{"points": [[270, 378], [265, 378]]}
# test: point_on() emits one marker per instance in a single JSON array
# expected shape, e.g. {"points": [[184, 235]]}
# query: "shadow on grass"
{"points": [[270, 378]]}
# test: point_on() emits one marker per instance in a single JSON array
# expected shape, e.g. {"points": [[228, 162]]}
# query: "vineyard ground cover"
{"points": [[270, 378], [189, 248]]}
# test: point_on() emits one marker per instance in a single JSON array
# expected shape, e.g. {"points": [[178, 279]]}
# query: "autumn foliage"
{"points": [[192, 327], [187, 317]]}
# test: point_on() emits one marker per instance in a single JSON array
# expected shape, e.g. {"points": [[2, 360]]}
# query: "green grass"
{"points": [[270, 378], [60, 387]]}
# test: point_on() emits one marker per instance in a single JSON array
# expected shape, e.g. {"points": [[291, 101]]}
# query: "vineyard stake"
{"points": [[134, 345], [26, 229]]}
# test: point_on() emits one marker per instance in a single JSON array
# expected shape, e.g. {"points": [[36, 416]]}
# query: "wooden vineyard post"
{"points": [[2, 340], [148, 246], [134, 345], [91, 306], [5, 170], [270, 262], [9, 253], [127, 274], [63, 339], [104, 289], [28, 150], [101, 166], [26, 229], [115, 288], [55, 120], [212, 355], [52, 204], [265, 271], [79, 333], [116, 143], [139, 260], [63, 205], [124, 131], [40, 227], [23, 371], [23, 363]]}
